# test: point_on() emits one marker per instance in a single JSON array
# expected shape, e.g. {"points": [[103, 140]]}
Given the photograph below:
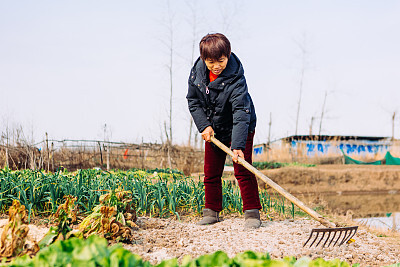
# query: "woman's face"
{"points": [[216, 66]]}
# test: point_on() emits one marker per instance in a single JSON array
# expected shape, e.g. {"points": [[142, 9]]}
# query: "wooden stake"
{"points": [[47, 152], [7, 155], [52, 156], [108, 157], [101, 155], [32, 151]]}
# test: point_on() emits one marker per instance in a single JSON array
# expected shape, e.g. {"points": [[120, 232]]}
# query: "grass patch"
{"points": [[261, 165]]}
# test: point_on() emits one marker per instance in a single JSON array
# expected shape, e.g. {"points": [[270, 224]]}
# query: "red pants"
{"points": [[214, 161]]}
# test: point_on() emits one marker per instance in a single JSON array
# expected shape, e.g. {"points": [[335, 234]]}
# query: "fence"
{"points": [[81, 154]]}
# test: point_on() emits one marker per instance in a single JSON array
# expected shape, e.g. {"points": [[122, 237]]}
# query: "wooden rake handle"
{"points": [[274, 185]]}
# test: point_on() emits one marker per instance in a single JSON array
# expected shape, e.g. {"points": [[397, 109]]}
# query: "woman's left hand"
{"points": [[237, 153]]}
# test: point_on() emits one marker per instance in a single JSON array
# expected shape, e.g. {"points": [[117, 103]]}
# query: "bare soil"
{"points": [[159, 239], [164, 239], [339, 179], [364, 191]]}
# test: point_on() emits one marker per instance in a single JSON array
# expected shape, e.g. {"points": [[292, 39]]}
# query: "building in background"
{"points": [[325, 148]]}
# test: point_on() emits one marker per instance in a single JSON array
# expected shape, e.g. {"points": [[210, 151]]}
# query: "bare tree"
{"points": [[168, 22], [302, 46], [229, 11], [168, 146], [171, 56], [322, 113], [193, 21], [392, 111], [393, 119], [7, 144], [311, 125], [269, 128], [170, 28]]}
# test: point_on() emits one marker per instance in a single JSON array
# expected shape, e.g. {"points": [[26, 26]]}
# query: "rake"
{"points": [[331, 235]]}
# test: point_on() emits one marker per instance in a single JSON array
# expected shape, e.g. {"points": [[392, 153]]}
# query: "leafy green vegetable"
{"points": [[95, 251]]}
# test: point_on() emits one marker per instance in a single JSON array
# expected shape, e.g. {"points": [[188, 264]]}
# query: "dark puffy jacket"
{"points": [[223, 104]]}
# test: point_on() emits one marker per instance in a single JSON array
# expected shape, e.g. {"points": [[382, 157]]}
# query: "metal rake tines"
{"points": [[337, 236]]}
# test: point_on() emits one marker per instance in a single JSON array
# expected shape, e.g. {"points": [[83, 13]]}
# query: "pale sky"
{"points": [[69, 67]]}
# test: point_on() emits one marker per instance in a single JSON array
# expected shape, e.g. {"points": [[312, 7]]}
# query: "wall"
{"points": [[307, 151]]}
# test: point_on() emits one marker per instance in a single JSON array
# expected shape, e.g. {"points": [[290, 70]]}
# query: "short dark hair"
{"points": [[214, 46]]}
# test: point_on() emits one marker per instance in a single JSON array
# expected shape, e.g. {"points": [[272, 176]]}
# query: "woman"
{"points": [[221, 105]]}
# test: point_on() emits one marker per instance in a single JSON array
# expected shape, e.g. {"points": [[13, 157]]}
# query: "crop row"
{"points": [[156, 193]]}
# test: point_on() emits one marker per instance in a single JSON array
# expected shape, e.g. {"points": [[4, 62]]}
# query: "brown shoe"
{"points": [[252, 219], [209, 217]]}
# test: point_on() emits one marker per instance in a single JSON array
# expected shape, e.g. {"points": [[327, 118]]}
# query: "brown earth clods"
{"points": [[158, 239], [170, 238]]}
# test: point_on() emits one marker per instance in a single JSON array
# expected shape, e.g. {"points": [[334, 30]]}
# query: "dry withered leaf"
{"points": [[14, 236]]}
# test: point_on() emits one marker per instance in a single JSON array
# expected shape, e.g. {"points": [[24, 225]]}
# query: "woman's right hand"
{"points": [[207, 133]]}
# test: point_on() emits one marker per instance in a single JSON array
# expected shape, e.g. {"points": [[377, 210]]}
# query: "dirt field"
{"points": [[365, 191], [159, 239], [163, 239], [340, 179]]}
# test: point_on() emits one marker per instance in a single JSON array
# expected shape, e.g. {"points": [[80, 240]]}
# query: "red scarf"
{"points": [[213, 76]]}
